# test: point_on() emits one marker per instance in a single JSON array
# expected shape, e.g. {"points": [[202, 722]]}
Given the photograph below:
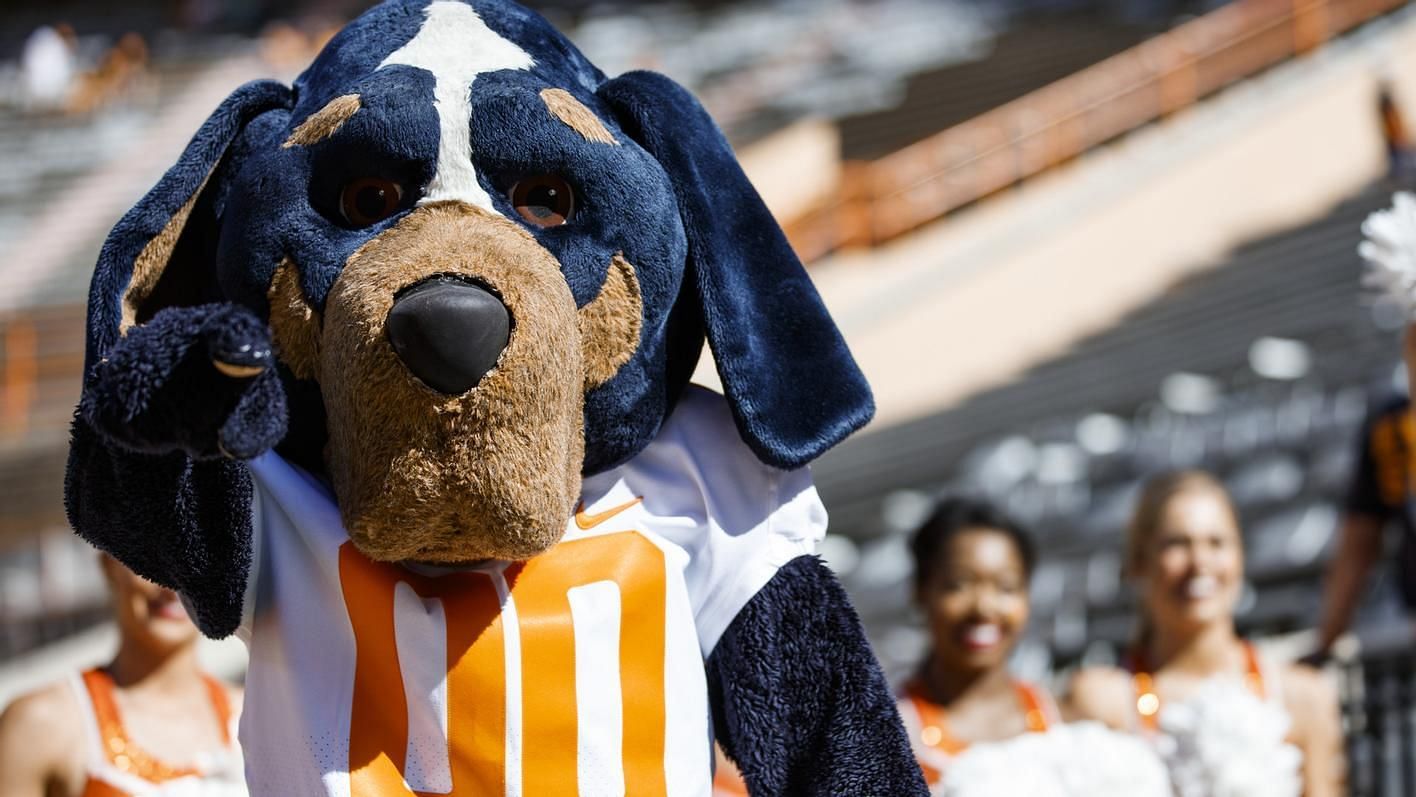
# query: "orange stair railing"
{"points": [[885, 198]]}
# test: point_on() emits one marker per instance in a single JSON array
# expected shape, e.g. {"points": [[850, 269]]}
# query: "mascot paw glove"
{"points": [[200, 380]]}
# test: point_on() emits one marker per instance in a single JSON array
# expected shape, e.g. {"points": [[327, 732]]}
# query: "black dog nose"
{"points": [[449, 333]]}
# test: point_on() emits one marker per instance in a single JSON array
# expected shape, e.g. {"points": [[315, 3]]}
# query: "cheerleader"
{"points": [[149, 724], [972, 566], [1184, 556]]}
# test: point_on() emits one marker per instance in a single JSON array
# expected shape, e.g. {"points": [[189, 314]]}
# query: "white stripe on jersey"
{"points": [[595, 614], [420, 628], [511, 630]]}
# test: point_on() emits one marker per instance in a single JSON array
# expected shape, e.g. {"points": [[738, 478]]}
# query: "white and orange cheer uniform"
{"points": [[1257, 679], [579, 672], [116, 766], [935, 746]]}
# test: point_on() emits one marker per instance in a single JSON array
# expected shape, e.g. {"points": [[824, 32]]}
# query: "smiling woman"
{"points": [[972, 566], [1189, 678]]}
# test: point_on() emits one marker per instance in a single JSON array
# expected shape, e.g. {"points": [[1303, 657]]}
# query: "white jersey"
{"points": [[578, 672]]}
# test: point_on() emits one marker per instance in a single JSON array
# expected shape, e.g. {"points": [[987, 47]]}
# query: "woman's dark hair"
{"points": [[954, 515]]}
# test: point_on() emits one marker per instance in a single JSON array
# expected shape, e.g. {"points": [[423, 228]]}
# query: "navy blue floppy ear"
{"points": [[161, 252], [795, 391]]}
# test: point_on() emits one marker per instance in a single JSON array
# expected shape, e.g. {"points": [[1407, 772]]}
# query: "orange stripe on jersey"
{"points": [[476, 693], [1392, 448], [476, 699], [476, 681], [548, 652], [550, 718]]}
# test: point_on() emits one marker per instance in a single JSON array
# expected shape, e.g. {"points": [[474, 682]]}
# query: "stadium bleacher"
{"points": [[1022, 59], [1178, 383]]}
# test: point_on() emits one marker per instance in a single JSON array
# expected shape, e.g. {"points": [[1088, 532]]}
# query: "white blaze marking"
{"points": [[456, 46]]}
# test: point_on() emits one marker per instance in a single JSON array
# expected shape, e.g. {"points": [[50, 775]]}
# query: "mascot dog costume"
{"points": [[389, 376]]}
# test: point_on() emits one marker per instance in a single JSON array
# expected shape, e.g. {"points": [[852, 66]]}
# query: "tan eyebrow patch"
{"points": [[610, 324], [295, 323], [151, 264], [576, 116], [323, 123]]}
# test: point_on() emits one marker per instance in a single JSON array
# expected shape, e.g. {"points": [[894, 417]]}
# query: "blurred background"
{"points": [[1071, 244]]}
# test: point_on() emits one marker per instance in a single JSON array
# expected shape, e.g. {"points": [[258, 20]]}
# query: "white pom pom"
{"points": [[1083, 759], [1390, 252], [1225, 742]]}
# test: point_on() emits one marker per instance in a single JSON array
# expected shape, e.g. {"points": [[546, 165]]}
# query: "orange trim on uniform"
{"points": [[1034, 706], [1148, 700], [933, 721], [221, 705], [125, 755], [1393, 448], [934, 724], [97, 788], [727, 780]]}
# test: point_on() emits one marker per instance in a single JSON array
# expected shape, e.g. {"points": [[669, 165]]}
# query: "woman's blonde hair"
{"points": [[1156, 495]]}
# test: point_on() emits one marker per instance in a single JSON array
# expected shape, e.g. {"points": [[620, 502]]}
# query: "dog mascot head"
{"points": [[487, 271]]}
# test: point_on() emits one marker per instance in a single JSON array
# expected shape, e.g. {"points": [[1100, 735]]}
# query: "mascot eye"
{"points": [[545, 201], [369, 200]]}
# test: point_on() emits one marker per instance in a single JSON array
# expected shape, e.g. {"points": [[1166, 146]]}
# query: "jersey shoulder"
{"points": [[700, 458], [703, 420]]}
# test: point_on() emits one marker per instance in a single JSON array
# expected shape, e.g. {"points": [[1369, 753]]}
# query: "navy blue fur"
{"points": [[355, 51], [284, 202], [799, 702], [153, 211], [183, 523], [793, 386], [625, 203], [147, 480], [142, 480], [157, 391], [557, 60]]}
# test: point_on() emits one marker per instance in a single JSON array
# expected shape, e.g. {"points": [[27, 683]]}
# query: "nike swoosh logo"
{"points": [[587, 522]]}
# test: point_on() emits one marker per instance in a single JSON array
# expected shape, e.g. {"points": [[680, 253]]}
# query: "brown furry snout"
{"points": [[491, 473]]}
